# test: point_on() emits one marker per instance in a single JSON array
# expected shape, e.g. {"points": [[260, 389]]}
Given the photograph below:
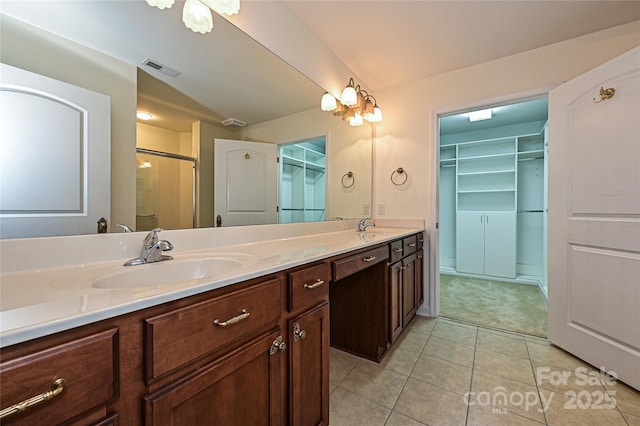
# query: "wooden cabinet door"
{"points": [[408, 289], [241, 388], [309, 367], [419, 278], [395, 300]]}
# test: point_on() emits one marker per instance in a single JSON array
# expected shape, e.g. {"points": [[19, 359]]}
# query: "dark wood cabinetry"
{"points": [[256, 352], [359, 308], [309, 367], [405, 282], [241, 388], [73, 379]]}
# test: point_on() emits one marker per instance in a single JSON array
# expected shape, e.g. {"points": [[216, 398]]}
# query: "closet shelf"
{"points": [[471, 191], [477, 157], [531, 154], [488, 172]]}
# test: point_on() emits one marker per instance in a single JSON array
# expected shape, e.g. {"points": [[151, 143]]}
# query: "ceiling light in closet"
{"points": [[144, 115], [483, 114]]}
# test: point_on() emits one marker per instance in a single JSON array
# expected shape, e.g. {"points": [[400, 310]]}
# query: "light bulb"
{"points": [[328, 102], [160, 4], [349, 96], [356, 120], [197, 17], [377, 115]]}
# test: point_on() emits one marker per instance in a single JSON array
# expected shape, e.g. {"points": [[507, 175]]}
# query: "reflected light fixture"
{"points": [[483, 114], [196, 14], [354, 105], [144, 115]]}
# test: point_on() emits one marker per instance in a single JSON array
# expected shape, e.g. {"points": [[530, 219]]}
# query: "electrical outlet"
{"points": [[380, 209], [366, 209]]}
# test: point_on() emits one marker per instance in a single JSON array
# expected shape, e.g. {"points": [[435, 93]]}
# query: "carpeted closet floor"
{"points": [[519, 308]]}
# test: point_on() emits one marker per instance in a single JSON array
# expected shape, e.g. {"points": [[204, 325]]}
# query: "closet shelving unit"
{"points": [[302, 184], [497, 207]]}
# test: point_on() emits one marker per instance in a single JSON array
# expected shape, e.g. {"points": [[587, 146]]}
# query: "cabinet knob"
{"points": [[369, 259], [298, 334], [277, 345]]}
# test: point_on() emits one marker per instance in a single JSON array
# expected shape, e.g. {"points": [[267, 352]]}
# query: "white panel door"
{"points": [[470, 242], [245, 187], [500, 244], [55, 161], [594, 217]]}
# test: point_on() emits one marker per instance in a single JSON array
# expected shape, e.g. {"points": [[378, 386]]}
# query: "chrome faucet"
{"points": [[363, 225], [152, 248]]}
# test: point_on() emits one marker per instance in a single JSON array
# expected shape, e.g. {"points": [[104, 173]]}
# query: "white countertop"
{"points": [[40, 298]]}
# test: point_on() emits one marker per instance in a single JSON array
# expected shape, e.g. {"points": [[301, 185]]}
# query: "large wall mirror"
{"points": [[102, 46]]}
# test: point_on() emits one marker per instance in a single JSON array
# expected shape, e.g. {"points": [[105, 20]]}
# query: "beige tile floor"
{"points": [[443, 372]]}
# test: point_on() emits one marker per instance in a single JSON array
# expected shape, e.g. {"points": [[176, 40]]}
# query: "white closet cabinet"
{"points": [[486, 243]]}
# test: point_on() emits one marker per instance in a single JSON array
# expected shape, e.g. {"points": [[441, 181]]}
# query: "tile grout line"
{"points": [[410, 372]]}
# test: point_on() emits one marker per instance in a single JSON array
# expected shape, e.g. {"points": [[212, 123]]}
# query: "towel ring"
{"points": [[348, 175], [399, 171]]}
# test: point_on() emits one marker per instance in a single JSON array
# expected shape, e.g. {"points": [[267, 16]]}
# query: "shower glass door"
{"points": [[165, 191]]}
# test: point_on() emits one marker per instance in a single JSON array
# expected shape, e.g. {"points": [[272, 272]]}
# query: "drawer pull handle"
{"points": [[412, 244], [298, 334], [56, 389], [233, 320], [315, 285], [397, 250], [369, 259]]}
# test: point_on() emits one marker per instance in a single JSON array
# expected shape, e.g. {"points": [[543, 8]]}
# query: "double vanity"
{"points": [[236, 327]]}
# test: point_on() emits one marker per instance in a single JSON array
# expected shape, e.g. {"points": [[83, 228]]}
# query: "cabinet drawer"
{"points": [[87, 365], [420, 241], [409, 245], [395, 251], [183, 335], [350, 265], [309, 286]]}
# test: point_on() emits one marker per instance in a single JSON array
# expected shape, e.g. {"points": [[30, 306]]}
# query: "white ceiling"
{"points": [[385, 43]]}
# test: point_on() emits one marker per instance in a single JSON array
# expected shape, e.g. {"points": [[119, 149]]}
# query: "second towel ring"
{"points": [[348, 175], [399, 171]]}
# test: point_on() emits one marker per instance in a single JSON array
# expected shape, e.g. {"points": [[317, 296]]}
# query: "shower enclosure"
{"points": [[165, 190]]}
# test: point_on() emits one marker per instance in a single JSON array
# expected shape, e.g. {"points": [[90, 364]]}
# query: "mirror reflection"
{"points": [[224, 75]]}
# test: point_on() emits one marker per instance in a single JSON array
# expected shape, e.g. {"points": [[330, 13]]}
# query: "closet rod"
{"points": [[530, 211]]}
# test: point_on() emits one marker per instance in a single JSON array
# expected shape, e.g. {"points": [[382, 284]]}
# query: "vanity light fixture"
{"points": [[483, 114], [196, 14], [354, 106], [144, 115]]}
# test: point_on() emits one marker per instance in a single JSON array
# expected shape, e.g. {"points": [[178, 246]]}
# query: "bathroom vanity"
{"points": [[246, 345]]}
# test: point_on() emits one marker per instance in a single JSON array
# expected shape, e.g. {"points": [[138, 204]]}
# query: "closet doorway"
{"points": [[492, 216], [302, 181]]}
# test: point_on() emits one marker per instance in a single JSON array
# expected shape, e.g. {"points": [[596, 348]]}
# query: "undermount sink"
{"points": [[167, 272]]}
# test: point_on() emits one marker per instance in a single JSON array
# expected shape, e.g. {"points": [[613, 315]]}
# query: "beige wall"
{"points": [[34, 50], [159, 139]]}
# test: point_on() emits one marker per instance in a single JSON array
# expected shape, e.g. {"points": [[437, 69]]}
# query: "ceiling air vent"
{"points": [[234, 122], [159, 67]]}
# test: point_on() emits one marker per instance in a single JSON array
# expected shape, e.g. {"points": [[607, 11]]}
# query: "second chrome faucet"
{"points": [[152, 248]]}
